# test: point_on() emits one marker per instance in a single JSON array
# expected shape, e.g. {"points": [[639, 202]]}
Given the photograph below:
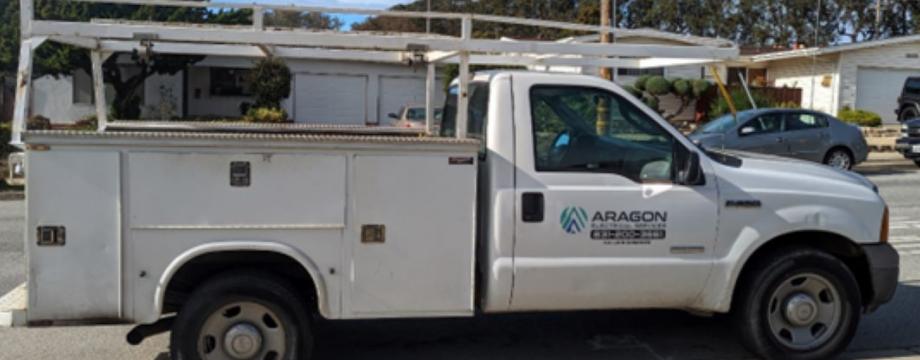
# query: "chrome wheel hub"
{"points": [[801, 310], [242, 330], [840, 160], [242, 341], [804, 311]]}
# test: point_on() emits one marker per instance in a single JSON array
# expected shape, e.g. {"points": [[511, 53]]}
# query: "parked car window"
{"points": [[416, 114], [913, 86], [566, 138], [764, 124], [803, 121]]}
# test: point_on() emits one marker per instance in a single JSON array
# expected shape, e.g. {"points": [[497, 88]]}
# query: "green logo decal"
{"points": [[573, 219]]}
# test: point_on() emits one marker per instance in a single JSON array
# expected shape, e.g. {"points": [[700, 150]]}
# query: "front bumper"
{"points": [[905, 147], [884, 264]]}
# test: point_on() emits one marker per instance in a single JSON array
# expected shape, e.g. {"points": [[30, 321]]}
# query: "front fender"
{"points": [[738, 244], [260, 246]]}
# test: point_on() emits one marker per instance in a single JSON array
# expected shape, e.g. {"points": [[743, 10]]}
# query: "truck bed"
{"points": [[135, 205]]}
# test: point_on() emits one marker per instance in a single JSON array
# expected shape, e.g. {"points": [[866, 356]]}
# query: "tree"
{"points": [[309, 20], [57, 59], [270, 81], [651, 88]]}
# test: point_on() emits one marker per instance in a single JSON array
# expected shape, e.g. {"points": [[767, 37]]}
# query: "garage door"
{"points": [[330, 99], [396, 92], [877, 90]]}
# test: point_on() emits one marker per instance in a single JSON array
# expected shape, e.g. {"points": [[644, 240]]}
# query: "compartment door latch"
{"points": [[51, 235]]}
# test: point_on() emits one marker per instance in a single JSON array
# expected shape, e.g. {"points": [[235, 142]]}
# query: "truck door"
{"points": [[599, 221]]}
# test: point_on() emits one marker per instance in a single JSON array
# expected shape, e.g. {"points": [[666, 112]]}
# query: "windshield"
{"points": [[719, 125], [416, 114]]}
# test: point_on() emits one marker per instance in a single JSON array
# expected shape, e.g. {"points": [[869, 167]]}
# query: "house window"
{"points": [[82, 88], [230, 82], [640, 72]]}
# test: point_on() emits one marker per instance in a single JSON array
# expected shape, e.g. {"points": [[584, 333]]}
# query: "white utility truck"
{"points": [[544, 192]]}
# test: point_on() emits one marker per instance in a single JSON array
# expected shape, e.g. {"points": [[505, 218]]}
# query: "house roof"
{"points": [[816, 51], [661, 35]]}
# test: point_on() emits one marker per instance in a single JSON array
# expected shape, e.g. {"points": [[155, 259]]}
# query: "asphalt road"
{"points": [[892, 332]]}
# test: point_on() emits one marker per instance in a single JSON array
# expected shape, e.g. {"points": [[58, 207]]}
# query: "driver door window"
{"points": [[764, 124], [570, 135]]}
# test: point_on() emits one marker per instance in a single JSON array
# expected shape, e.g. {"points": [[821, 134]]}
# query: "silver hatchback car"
{"points": [[803, 134]]}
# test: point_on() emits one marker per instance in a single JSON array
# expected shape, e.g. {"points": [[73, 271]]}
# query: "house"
{"points": [[323, 91], [867, 75]]}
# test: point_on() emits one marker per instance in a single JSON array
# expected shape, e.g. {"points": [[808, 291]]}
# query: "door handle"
{"points": [[779, 140], [532, 207]]}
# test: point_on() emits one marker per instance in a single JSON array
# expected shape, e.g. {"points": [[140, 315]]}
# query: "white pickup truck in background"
{"points": [[235, 242]]}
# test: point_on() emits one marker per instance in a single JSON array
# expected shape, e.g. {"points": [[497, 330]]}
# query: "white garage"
{"points": [[878, 89], [330, 99]]}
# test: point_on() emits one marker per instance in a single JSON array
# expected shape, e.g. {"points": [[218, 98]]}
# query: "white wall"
{"points": [[53, 98], [224, 106], [808, 75], [162, 97]]}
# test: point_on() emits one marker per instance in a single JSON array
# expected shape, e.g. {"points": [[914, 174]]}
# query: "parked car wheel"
{"points": [[839, 158], [798, 304], [242, 316], [917, 162], [908, 114]]}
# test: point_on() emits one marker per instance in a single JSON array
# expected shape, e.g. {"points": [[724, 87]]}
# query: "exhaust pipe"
{"points": [[141, 332]]}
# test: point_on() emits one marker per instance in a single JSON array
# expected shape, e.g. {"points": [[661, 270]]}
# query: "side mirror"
{"points": [[393, 116], [747, 130], [691, 173]]}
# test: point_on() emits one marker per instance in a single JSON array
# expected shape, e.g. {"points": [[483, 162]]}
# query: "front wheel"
{"points": [[917, 162], [798, 304], [242, 316]]}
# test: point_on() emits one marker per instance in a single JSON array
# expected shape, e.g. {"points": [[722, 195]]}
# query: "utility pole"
{"points": [[603, 105], [606, 37], [878, 18]]}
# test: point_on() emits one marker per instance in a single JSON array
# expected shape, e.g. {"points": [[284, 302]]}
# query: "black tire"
{"points": [[909, 113], [839, 151], [286, 309], [751, 308], [917, 162]]}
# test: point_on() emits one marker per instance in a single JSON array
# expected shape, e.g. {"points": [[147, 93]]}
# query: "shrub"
{"points": [[633, 91], [270, 81], [38, 122], [700, 87], [681, 87], [859, 117], [266, 115], [658, 85], [88, 123], [641, 81]]}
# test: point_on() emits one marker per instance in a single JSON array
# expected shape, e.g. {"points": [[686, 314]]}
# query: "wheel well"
{"points": [[838, 246], [198, 270]]}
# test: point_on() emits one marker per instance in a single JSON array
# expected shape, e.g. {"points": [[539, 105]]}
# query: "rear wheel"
{"points": [[242, 316], [839, 158], [798, 304], [917, 162]]}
